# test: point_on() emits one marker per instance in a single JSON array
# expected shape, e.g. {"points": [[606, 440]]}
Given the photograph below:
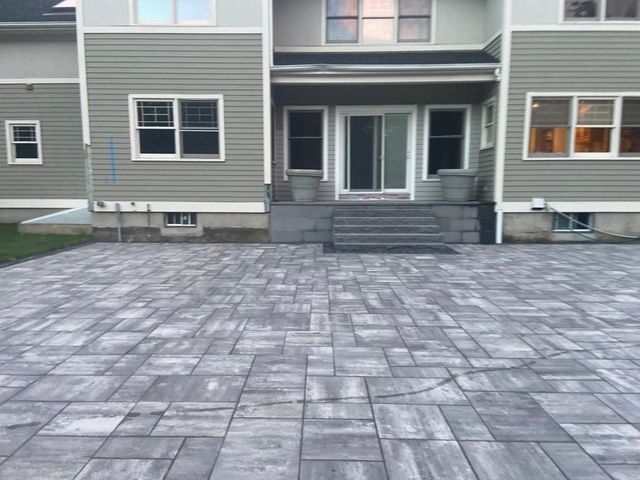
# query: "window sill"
{"points": [[178, 160], [589, 158], [487, 147], [25, 162]]}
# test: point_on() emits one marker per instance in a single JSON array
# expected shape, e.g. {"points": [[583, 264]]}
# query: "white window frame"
{"points": [[11, 158], [192, 216], [614, 153], [602, 16], [395, 41], [136, 156], [325, 136], [580, 229], [427, 135], [133, 7], [488, 141]]}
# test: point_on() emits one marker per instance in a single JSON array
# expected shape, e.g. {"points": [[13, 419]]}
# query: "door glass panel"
{"points": [[395, 150], [364, 152]]}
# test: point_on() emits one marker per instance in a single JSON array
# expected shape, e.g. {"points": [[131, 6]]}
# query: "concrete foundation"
{"points": [[538, 227], [19, 215], [212, 227], [312, 222]]}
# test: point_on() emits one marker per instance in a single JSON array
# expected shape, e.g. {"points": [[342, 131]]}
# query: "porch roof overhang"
{"points": [[384, 67]]}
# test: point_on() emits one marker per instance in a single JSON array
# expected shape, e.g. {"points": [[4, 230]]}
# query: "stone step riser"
{"points": [[383, 213], [368, 221], [386, 229], [387, 239]]}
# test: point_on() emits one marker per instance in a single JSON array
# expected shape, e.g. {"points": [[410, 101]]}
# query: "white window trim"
{"points": [[602, 17], [133, 11], [574, 230], [427, 130], [136, 156], [192, 224], [342, 112], [394, 42], [11, 160], [325, 137], [614, 153], [486, 142]]}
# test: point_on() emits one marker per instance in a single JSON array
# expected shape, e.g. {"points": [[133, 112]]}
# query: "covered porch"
{"points": [[379, 134]]}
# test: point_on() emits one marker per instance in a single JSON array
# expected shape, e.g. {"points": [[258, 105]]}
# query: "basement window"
{"points": [[181, 219], [572, 222], [24, 142]]}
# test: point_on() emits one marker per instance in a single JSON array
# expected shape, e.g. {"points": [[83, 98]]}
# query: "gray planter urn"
{"points": [[304, 184], [457, 185]]}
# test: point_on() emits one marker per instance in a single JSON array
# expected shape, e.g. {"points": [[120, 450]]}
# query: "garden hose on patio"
{"points": [[627, 238]]}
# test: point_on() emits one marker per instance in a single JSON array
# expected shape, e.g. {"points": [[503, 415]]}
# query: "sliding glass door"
{"points": [[376, 152]]}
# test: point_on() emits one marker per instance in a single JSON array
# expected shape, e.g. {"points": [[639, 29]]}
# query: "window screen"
{"points": [[199, 130], [156, 129], [446, 140], [306, 140], [630, 131], [342, 20]]}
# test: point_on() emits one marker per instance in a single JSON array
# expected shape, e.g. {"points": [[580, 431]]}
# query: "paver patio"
{"points": [[223, 362]]}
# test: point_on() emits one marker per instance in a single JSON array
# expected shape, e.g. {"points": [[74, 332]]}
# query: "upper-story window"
{"points": [[601, 10], [378, 21], [168, 12]]}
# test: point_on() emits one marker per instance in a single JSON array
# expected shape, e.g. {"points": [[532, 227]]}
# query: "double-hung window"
{"points": [[447, 146], [177, 128], [488, 124], [601, 10], [378, 21], [174, 12], [306, 138], [583, 127], [23, 142]]}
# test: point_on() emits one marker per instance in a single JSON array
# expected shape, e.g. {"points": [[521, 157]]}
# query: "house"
{"points": [[191, 112], [41, 155]]}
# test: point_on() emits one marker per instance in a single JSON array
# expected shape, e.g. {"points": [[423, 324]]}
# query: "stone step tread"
{"points": [[387, 239], [383, 213], [421, 221], [388, 229], [395, 248]]}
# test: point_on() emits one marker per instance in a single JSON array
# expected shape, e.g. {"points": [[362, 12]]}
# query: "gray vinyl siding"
{"points": [[420, 96], [569, 62], [177, 64], [494, 48], [30, 54], [62, 175]]}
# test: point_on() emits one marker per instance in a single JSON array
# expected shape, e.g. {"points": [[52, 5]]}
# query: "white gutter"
{"points": [[9, 25], [311, 68]]}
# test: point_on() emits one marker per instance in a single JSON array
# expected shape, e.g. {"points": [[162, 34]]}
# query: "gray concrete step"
{"points": [[383, 212], [410, 248], [396, 220], [387, 238], [386, 229]]}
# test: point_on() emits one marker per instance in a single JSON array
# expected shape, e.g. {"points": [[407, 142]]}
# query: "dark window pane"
{"points": [[581, 9], [157, 141], [447, 123], [155, 114], [24, 133], [631, 112], [622, 9], [414, 7], [562, 222], [630, 140], [582, 221], [444, 153], [342, 30], [414, 29], [342, 8], [26, 150], [305, 153], [305, 124], [200, 143], [550, 112], [199, 115]]}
